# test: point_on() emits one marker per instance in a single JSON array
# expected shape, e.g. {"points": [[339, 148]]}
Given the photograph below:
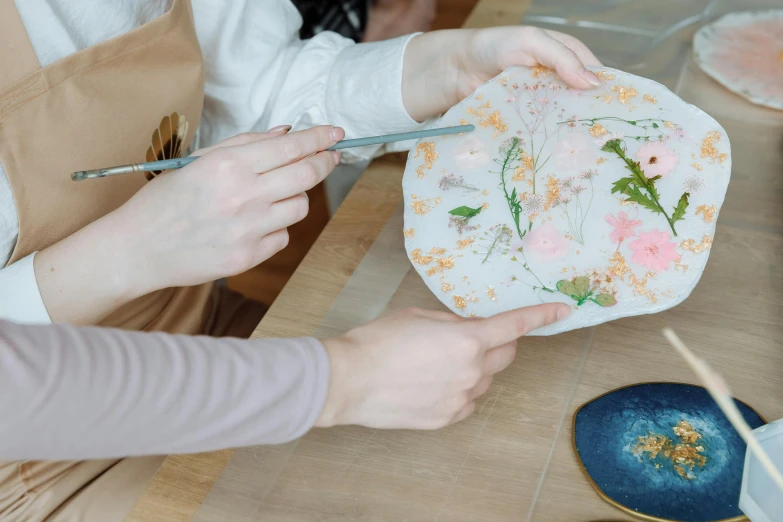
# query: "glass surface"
{"points": [[513, 459]]}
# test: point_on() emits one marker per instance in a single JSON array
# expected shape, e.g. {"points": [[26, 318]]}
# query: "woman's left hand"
{"points": [[443, 67]]}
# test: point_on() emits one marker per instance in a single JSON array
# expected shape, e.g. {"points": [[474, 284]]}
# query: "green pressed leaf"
{"points": [[465, 212], [636, 196], [605, 300], [679, 210], [567, 287], [621, 185], [655, 125], [582, 285]]}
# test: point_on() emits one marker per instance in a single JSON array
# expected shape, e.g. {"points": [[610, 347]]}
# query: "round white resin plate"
{"points": [[604, 199], [743, 51]]}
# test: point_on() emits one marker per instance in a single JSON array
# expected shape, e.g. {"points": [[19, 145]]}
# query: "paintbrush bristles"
{"points": [[720, 391]]}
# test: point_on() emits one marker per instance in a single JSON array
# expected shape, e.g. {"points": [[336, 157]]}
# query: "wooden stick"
{"points": [[722, 395]]}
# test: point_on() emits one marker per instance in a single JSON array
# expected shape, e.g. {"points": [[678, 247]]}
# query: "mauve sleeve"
{"points": [[89, 393]]}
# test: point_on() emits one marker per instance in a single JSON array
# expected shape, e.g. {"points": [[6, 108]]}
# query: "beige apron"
{"points": [[133, 98]]}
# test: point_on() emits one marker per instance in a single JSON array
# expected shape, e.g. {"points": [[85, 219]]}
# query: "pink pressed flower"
{"points": [[545, 243], [470, 154], [654, 250], [624, 228], [511, 99], [543, 101], [573, 151], [656, 159]]}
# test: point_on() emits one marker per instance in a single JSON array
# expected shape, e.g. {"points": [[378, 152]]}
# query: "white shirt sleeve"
{"points": [[259, 74], [20, 299]]}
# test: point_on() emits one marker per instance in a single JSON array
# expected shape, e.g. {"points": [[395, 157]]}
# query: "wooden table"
{"points": [[512, 460]]}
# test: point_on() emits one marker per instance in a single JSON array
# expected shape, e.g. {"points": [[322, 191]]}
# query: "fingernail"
{"points": [[336, 134], [336, 156], [590, 78], [563, 312], [280, 128]]}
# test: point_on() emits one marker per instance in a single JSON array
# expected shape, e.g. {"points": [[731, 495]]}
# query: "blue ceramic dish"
{"points": [[663, 451]]}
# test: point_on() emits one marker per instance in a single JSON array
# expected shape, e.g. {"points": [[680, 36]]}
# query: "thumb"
{"points": [[510, 326]]}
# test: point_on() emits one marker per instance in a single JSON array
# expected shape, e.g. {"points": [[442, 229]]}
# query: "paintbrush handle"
{"points": [[403, 136], [178, 163]]}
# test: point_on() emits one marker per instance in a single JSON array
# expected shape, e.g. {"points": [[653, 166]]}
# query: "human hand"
{"points": [[216, 217], [443, 67], [422, 369]]}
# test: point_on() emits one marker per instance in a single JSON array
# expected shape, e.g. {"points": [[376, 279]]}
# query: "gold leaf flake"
{"points": [[691, 246], [709, 150], [696, 166], [408, 233], [459, 301], [650, 99], [537, 70], [599, 161], [445, 286], [624, 94], [463, 243], [597, 130], [430, 155], [707, 212], [491, 293], [604, 75]]}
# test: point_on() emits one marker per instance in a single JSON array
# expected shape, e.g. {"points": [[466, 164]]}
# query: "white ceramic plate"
{"points": [[533, 206], [743, 51]]}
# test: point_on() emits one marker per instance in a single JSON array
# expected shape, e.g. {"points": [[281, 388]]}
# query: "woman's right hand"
{"points": [[219, 216], [420, 369]]}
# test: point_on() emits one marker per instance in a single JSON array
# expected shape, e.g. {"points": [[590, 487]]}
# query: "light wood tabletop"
{"points": [[512, 460]]}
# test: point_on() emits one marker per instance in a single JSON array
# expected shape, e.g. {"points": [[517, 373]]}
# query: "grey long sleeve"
{"points": [[83, 393]]}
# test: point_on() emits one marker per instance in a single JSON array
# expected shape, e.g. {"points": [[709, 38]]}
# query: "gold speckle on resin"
{"points": [[463, 121], [640, 286], [484, 206], [607, 98], [604, 75], [435, 251], [479, 96], [430, 155], [459, 301], [444, 263], [686, 454], [552, 192], [650, 99], [678, 265], [599, 161], [564, 270], [422, 206], [408, 233], [537, 70], [491, 293], [568, 236], [707, 212], [464, 279], [577, 252], [709, 150], [485, 193], [493, 120], [691, 246], [503, 81], [597, 130], [696, 166], [685, 431], [419, 259], [463, 243], [669, 125], [624, 94], [445, 286]]}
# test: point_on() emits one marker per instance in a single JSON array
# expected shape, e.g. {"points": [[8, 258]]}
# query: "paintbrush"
{"points": [[722, 395], [170, 164]]}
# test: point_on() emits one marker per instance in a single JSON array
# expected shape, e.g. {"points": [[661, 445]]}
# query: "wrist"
{"points": [[430, 77], [338, 408], [87, 275]]}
